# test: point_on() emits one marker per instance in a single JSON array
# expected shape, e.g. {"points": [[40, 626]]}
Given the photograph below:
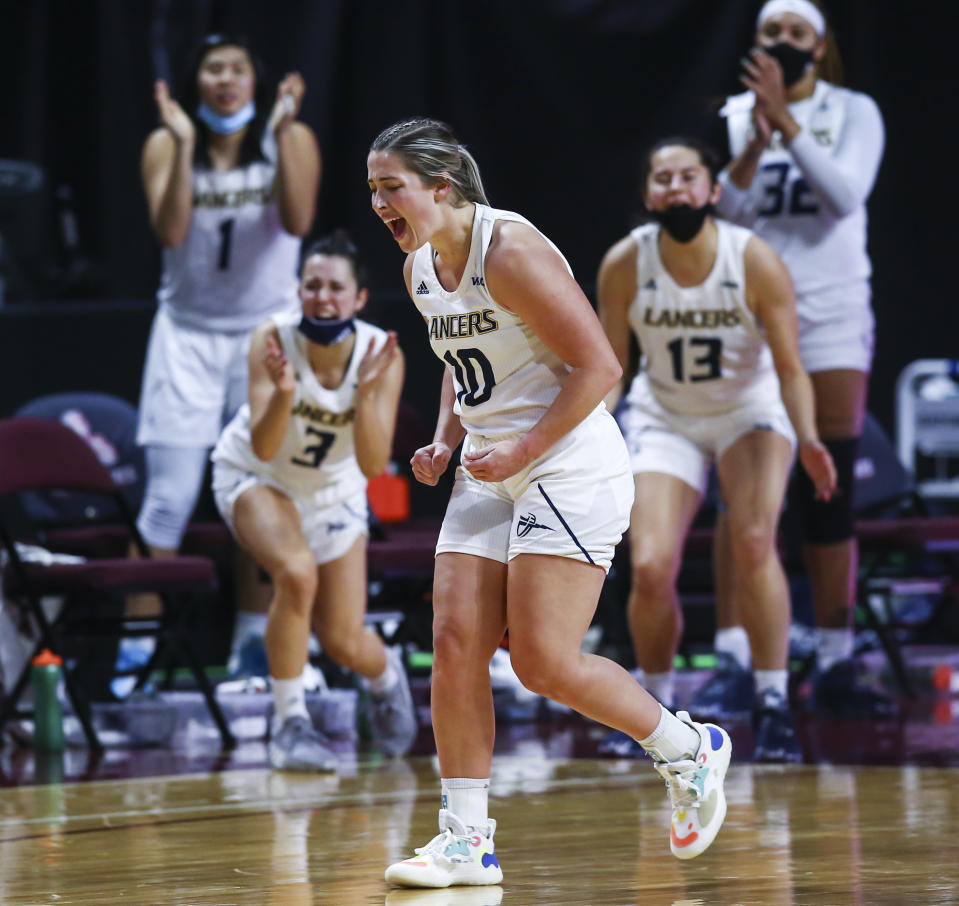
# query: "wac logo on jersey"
{"points": [[464, 325]]}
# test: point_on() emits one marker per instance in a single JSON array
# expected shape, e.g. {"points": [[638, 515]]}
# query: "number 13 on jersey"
{"points": [[705, 367]]}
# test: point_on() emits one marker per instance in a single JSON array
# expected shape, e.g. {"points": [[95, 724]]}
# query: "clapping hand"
{"points": [[172, 114], [375, 362], [763, 75], [278, 366], [289, 96]]}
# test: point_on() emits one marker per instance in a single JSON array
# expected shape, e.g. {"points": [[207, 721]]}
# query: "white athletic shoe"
{"points": [[465, 896], [297, 746], [454, 857], [695, 790], [391, 715]]}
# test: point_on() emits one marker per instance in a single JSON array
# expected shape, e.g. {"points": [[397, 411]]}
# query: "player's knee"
{"points": [[163, 519], [539, 669], [830, 521], [653, 574], [342, 646], [752, 542], [295, 583], [452, 639], [174, 477]]}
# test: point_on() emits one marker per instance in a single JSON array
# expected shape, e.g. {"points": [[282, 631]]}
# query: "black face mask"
{"points": [[683, 222], [326, 332], [794, 62]]}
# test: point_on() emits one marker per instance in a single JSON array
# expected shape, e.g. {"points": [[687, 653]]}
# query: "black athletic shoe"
{"points": [[617, 744], [776, 741], [728, 694], [840, 690]]}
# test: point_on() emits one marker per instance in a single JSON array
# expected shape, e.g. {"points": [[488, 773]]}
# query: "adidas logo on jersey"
{"points": [[650, 284], [422, 289], [729, 284]]}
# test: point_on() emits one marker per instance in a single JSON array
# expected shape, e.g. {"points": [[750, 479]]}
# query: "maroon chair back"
{"points": [[40, 454]]}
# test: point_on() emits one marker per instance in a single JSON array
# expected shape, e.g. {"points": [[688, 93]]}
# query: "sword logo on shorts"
{"points": [[527, 522]]}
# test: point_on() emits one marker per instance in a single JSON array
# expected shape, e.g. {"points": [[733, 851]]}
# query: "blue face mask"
{"points": [[326, 332], [224, 125]]}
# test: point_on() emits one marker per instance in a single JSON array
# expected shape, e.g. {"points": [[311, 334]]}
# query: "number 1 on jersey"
{"points": [[226, 243]]}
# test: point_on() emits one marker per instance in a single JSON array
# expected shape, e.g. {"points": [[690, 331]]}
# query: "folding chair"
{"points": [[927, 425], [42, 455]]}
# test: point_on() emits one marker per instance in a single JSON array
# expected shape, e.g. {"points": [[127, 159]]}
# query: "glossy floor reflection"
{"points": [[868, 820], [572, 831], [925, 732]]}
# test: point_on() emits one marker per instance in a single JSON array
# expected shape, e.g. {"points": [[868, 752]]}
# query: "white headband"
{"points": [[802, 8]]}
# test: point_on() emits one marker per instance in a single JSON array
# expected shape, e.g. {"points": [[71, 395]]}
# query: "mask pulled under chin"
{"points": [[683, 222], [793, 61], [326, 332], [224, 125]]}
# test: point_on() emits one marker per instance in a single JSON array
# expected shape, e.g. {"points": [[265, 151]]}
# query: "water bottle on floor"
{"points": [[45, 676]]}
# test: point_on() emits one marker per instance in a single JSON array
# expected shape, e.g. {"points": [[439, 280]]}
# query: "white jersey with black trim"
{"points": [[504, 375], [703, 352], [317, 453], [821, 247], [237, 265]]}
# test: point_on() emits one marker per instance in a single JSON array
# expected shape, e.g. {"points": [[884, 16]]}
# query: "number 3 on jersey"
{"points": [[316, 453], [465, 370]]}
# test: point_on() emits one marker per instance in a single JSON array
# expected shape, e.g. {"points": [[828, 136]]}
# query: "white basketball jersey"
{"points": [[317, 453], [237, 265], [504, 375], [820, 248], [703, 352]]}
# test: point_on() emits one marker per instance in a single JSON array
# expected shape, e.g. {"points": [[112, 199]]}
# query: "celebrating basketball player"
{"points": [[541, 497], [289, 477]]}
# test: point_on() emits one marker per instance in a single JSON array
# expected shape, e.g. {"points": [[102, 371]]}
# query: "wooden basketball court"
{"points": [[571, 831]]}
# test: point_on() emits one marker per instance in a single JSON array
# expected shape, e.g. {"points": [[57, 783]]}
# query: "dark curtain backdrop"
{"points": [[556, 98]]}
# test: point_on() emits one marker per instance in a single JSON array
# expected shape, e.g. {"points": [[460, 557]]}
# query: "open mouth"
{"points": [[397, 227]]}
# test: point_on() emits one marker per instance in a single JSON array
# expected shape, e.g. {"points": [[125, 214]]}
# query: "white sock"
{"points": [[660, 685], [672, 740], [289, 700], [385, 681], [734, 641], [833, 645], [773, 681], [245, 625], [466, 797]]}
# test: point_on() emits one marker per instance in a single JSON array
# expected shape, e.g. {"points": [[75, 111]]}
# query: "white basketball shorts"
{"points": [[193, 383], [684, 445], [330, 530], [573, 501], [837, 329]]}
